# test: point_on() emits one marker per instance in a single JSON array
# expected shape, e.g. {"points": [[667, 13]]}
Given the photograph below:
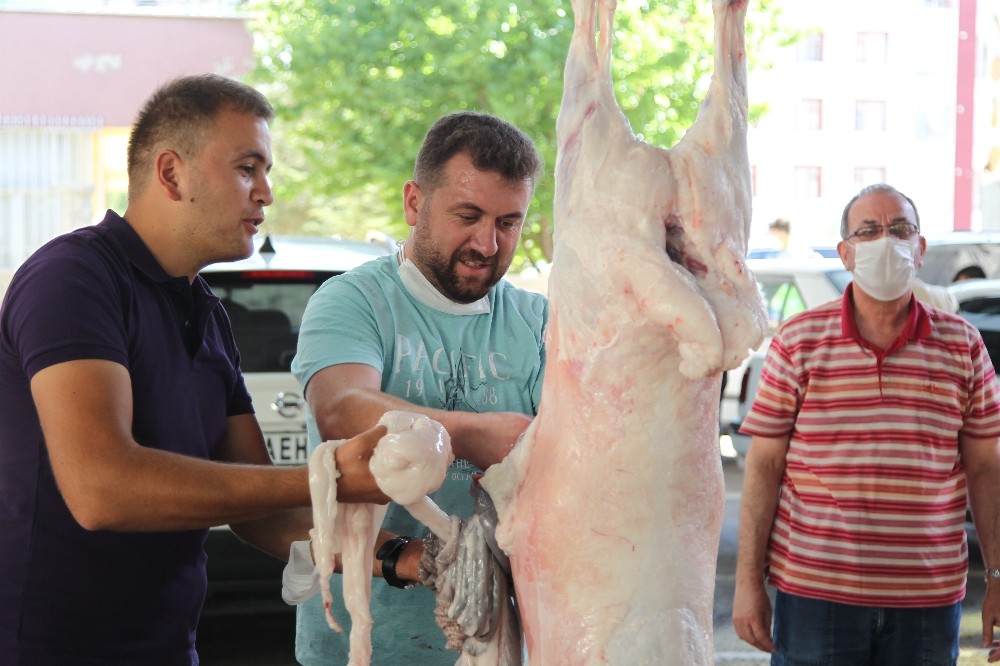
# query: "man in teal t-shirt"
{"points": [[432, 329]]}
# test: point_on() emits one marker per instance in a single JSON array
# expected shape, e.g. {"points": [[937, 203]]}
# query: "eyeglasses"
{"points": [[870, 232]]}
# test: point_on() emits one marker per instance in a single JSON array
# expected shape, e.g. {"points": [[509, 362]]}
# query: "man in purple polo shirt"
{"points": [[126, 428]]}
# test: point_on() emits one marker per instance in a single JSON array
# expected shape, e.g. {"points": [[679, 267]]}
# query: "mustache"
{"points": [[476, 257]]}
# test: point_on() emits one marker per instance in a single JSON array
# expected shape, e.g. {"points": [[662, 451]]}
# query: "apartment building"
{"points": [[898, 91]]}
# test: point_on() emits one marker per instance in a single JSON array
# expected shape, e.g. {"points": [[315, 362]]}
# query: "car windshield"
{"points": [[266, 311], [783, 294], [982, 304]]}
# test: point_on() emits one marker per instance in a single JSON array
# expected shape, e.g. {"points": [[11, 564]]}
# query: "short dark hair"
{"points": [[780, 224], [492, 144], [180, 111], [877, 187]]}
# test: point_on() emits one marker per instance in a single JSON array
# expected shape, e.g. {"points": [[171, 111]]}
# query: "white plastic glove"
{"points": [[299, 579]]}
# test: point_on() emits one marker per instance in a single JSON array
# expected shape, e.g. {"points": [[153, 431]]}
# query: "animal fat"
{"points": [[409, 462], [611, 504]]}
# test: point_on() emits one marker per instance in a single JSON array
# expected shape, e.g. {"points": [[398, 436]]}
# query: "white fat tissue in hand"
{"points": [[410, 461]]}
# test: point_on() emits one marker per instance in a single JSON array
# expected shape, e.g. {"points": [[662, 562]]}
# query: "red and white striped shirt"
{"points": [[873, 497]]}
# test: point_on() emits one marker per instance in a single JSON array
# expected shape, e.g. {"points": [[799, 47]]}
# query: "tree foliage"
{"points": [[357, 83]]}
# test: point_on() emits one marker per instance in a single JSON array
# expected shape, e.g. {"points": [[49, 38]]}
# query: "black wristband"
{"points": [[389, 553]]}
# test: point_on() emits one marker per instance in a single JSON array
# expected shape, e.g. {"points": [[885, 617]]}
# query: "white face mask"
{"points": [[885, 268], [421, 289]]}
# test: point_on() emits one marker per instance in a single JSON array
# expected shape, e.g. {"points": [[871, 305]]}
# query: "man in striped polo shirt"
{"points": [[876, 416]]}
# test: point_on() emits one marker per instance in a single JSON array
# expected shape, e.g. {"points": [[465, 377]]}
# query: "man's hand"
{"points": [[356, 483], [991, 619], [752, 615]]}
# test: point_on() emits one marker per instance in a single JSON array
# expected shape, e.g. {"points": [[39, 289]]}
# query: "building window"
{"points": [[46, 186], [946, 4], [753, 181], [811, 48], [869, 116], [808, 182], [810, 116], [865, 176], [873, 47]]}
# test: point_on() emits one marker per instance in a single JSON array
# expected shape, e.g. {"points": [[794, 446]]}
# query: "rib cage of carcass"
{"points": [[611, 504]]}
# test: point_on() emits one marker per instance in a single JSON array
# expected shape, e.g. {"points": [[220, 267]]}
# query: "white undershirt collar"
{"points": [[420, 288]]}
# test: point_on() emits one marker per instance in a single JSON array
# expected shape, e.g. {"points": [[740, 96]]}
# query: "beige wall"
{"points": [[4, 281]]}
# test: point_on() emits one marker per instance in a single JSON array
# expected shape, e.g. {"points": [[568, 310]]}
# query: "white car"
{"points": [[981, 296], [959, 255], [789, 286], [979, 302], [265, 296]]}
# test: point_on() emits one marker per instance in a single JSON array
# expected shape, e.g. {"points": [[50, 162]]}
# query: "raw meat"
{"points": [[611, 505], [409, 462]]}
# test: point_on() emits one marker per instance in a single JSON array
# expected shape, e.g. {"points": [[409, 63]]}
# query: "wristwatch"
{"points": [[389, 553], [992, 573]]}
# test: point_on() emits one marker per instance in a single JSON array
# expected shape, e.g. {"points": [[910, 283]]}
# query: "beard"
{"points": [[441, 270]]}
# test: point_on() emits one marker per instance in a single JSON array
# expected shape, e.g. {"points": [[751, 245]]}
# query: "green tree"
{"points": [[357, 83]]}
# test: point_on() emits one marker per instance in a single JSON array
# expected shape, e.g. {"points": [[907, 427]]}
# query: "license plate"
{"points": [[287, 448]]}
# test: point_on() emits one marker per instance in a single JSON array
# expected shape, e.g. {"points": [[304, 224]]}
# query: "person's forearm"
{"points": [[758, 505], [765, 465], [150, 490], [480, 438], [356, 410], [275, 533], [110, 481], [408, 562], [981, 460], [984, 501], [484, 438]]}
